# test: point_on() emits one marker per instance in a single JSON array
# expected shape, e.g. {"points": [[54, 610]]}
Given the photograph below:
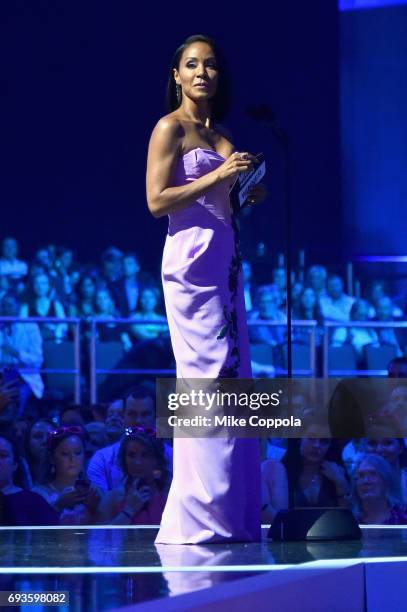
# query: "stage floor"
{"points": [[105, 568]]}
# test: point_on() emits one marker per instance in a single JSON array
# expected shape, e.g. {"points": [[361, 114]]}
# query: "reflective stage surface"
{"points": [[111, 567]]}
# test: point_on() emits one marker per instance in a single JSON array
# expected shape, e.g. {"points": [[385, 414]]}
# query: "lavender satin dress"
{"points": [[215, 492]]}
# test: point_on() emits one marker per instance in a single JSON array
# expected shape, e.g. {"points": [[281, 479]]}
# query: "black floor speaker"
{"points": [[314, 524]]}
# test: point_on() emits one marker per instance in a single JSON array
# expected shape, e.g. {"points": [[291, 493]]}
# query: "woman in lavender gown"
{"points": [[215, 492]]}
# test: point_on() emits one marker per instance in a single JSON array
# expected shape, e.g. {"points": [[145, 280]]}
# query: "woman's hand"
{"points": [[136, 498], [336, 474], [69, 499], [257, 193], [92, 499], [235, 164]]}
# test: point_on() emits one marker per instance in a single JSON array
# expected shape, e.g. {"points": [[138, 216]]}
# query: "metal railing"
{"points": [[358, 324], [76, 370], [95, 370], [294, 323]]}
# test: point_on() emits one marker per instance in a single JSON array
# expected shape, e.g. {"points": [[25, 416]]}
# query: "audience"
{"points": [[105, 465]]}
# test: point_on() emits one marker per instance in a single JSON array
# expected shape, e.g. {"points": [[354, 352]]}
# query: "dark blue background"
{"points": [[83, 85]]}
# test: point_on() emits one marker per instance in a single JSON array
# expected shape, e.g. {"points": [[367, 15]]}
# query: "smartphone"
{"points": [[142, 483], [82, 485]]}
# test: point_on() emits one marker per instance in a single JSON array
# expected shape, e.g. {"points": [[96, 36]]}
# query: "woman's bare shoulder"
{"points": [[170, 125]]}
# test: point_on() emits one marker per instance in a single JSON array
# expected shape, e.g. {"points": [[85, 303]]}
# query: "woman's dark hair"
{"points": [[300, 310], [152, 444], [27, 447], [55, 441], [18, 477], [221, 101], [293, 462]]}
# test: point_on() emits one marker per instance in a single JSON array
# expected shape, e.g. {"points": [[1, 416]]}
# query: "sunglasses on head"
{"points": [[61, 431], [149, 431]]}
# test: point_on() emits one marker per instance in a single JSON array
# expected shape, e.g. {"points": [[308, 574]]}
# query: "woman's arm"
{"points": [[275, 489], [163, 153]]}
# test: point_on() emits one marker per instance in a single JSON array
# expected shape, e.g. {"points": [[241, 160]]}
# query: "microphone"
{"points": [[263, 113]]}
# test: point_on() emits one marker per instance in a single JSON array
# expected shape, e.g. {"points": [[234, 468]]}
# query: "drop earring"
{"points": [[179, 93]]}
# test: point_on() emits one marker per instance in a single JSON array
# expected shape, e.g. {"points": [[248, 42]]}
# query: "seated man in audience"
{"points": [[125, 290], [316, 278], [336, 304], [11, 266], [138, 411], [21, 348]]}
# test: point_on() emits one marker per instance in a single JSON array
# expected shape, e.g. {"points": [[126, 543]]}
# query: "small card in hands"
{"points": [[240, 189]]}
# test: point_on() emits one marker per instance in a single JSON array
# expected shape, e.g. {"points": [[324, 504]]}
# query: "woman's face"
{"points": [[7, 465], [38, 439], [308, 298], [148, 300], [197, 72], [41, 285], [369, 484], [140, 461], [104, 302], [87, 288], [69, 457], [388, 448], [314, 449]]}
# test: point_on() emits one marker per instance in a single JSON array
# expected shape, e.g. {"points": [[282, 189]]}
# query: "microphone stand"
{"points": [[264, 114]]}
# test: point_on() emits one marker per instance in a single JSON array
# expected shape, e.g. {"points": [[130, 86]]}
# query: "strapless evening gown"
{"points": [[215, 492]]}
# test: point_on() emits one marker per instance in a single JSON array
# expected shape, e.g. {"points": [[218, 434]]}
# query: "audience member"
{"points": [[20, 349], [112, 259], [19, 507], [84, 306], [10, 265], [268, 309], [109, 332], [376, 493], [335, 304], [315, 474], [395, 452], [138, 411], [378, 290], [316, 278], [358, 337], [387, 335], [140, 500], [35, 456], [66, 488], [274, 489], [43, 303], [148, 303], [308, 309], [126, 290]]}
